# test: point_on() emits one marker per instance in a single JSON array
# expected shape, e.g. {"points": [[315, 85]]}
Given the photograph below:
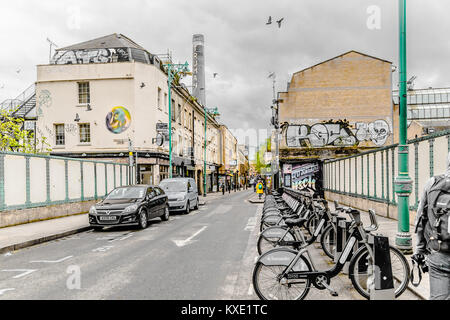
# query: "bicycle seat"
{"points": [[295, 222]]}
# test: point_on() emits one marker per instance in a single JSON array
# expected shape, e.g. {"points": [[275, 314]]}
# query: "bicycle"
{"points": [[290, 273]]}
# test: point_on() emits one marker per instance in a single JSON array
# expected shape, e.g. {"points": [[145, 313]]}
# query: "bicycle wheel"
{"points": [[268, 287], [361, 271], [311, 224], [328, 241], [269, 238]]}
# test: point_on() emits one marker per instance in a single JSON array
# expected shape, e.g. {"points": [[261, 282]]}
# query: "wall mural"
{"points": [[336, 133], [91, 56], [118, 120], [43, 100], [304, 175]]}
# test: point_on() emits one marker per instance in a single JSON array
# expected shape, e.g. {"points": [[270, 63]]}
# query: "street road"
{"points": [[206, 255]]}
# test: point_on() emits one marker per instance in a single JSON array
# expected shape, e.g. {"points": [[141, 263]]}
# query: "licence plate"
{"points": [[108, 218]]}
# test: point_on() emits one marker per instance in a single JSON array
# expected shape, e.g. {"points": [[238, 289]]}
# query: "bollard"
{"points": [[340, 234], [381, 284]]}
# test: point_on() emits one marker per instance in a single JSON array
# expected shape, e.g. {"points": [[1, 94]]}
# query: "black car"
{"points": [[130, 206]]}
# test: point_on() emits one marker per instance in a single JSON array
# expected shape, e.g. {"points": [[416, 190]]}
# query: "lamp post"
{"points": [[172, 70], [213, 112], [276, 124], [403, 183]]}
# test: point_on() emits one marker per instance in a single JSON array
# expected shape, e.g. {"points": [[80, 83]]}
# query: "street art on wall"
{"points": [[118, 120], [91, 56], [44, 100], [304, 175], [336, 133]]}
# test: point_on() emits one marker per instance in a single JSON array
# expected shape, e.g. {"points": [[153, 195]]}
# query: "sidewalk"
{"points": [[388, 227]]}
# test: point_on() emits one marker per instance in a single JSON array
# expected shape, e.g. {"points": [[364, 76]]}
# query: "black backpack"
{"points": [[437, 230]]}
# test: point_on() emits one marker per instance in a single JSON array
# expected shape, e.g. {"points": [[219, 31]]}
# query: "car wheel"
{"points": [[143, 223], [166, 215], [188, 208], [196, 205]]}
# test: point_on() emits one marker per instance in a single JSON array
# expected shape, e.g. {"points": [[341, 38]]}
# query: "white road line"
{"points": [[51, 261], [182, 243], [102, 249], [23, 273], [2, 291], [250, 290], [250, 224]]}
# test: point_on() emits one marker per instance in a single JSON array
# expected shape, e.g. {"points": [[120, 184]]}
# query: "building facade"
{"points": [[107, 97], [338, 107]]}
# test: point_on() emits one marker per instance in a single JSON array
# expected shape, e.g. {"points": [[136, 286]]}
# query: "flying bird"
{"points": [[142, 85], [270, 20], [279, 22], [271, 75], [18, 70], [215, 74]]}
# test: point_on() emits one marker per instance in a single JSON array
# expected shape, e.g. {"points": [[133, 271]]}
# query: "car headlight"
{"points": [[93, 210], [131, 208]]}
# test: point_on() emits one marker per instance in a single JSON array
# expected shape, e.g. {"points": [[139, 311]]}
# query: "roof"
{"points": [[110, 41], [341, 55]]}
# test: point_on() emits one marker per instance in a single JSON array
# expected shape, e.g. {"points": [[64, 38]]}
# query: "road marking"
{"points": [[2, 291], [8, 254], [250, 224], [102, 249], [182, 243], [51, 261], [250, 290], [122, 238], [23, 273]]}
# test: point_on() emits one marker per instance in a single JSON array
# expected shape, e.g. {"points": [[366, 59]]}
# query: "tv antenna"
{"points": [[50, 53]]}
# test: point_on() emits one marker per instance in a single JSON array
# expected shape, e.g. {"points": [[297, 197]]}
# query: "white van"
{"points": [[182, 194]]}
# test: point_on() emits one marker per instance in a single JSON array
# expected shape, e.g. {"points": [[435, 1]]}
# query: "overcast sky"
{"points": [[239, 46]]}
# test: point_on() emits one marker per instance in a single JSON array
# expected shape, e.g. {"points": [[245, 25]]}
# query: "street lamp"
{"points": [[403, 183], [172, 70], [276, 124], [214, 112]]}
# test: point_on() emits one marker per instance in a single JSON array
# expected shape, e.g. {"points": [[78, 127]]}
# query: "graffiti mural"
{"points": [[336, 133], [304, 175], [91, 56], [118, 120]]}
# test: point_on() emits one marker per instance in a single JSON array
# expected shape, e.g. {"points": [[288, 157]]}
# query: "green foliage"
{"points": [[260, 163], [15, 139]]}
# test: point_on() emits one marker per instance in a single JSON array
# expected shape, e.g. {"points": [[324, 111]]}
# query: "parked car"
{"points": [[182, 194], [130, 206]]}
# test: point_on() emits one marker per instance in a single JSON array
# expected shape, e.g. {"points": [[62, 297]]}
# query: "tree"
{"points": [[14, 138]]}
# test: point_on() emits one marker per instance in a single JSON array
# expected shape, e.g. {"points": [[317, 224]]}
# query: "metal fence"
{"points": [[28, 180], [370, 175]]}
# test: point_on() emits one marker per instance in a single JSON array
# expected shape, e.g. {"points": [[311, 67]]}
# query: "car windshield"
{"points": [[127, 193], [173, 186]]}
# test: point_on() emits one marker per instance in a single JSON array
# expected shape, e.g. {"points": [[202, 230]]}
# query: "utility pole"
{"points": [[403, 183], [172, 70]]}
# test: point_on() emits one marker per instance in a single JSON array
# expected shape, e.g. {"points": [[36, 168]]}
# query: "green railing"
{"points": [[370, 175], [30, 181]]}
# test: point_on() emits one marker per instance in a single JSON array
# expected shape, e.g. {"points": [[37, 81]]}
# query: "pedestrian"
{"points": [[259, 189], [433, 234], [223, 188]]}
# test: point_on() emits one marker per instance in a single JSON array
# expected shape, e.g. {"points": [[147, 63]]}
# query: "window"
{"points": [[186, 119], [425, 98], [419, 99], [179, 114], [165, 102], [413, 99], [159, 98], [173, 110], [85, 132], [431, 98], [59, 135], [437, 98], [84, 93]]}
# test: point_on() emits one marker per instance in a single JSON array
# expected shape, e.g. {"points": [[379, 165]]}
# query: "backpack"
{"points": [[437, 229]]}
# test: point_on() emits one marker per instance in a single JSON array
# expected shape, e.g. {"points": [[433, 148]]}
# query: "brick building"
{"points": [[335, 108]]}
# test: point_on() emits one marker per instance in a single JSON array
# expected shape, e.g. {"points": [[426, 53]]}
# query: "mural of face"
{"points": [[118, 120]]}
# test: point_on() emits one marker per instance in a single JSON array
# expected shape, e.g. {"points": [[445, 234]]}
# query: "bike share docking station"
{"points": [[380, 280], [381, 284]]}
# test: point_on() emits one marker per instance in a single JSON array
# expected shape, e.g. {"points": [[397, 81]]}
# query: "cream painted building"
{"points": [[102, 98]]}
